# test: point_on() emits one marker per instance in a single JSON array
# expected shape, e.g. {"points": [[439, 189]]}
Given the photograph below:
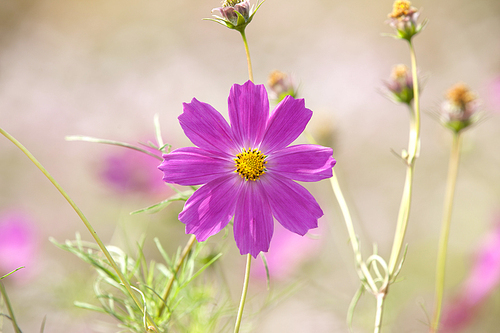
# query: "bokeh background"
{"points": [[105, 68]]}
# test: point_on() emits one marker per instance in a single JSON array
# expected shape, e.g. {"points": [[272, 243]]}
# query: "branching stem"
{"points": [[412, 154]]}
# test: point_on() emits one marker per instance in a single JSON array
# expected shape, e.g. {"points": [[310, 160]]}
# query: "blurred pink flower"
{"points": [[482, 280], [18, 244], [494, 94], [129, 171], [287, 253]]}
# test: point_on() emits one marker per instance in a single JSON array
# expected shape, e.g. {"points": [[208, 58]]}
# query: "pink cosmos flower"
{"points": [[128, 171], [247, 169], [482, 280], [494, 94], [288, 252], [18, 244]]}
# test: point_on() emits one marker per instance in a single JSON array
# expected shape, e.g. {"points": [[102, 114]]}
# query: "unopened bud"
{"points": [[459, 109], [400, 85], [281, 85], [404, 19], [235, 14]]}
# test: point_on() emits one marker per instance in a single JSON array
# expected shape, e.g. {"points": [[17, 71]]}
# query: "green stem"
{"points": [[415, 143], [380, 311], [83, 218], [445, 227], [364, 271], [243, 294], [413, 150], [182, 258], [3, 292], [250, 72], [114, 143]]}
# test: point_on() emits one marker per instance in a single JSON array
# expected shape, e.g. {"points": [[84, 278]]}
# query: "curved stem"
{"points": [[5, 297], [250, 72], [168, 288], [365, 273], [243, 294], [85, 221], [112, 142], [413, 151], [445, 228]]}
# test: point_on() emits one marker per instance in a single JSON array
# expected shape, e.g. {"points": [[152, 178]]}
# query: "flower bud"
{"points": [[400, 85], [281, 85], [235, 14], [404, 19], [459, 109]]}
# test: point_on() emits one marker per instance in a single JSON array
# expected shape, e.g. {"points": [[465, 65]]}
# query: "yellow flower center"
{"points": [[230, 3], [400, 8], [460, 95], [250, 164], [399, 72]]}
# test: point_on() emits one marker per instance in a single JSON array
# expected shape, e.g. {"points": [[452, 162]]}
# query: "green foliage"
{"points": [[192, 305]]}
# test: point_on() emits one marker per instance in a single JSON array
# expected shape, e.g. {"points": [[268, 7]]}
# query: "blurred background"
{"points": [[105, 68]]}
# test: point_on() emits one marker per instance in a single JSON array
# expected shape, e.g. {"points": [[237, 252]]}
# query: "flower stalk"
{"points": [[411, 155], [243, 294], [182, 258], [363, 270], [247, 52], [380, 285], [5, 297], [445, 228], [85, 221]]}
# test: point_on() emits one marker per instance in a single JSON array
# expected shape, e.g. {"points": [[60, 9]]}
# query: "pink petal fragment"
{"points": [[306, 163], [287, 121], [292, 205], [211, 207], [206, 127], [248, 113], [253, 220], [194, 166]]}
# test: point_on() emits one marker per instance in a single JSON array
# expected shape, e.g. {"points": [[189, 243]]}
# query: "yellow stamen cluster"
{"points": [[460, 95], [250, 164], [399, 72], [230, 3], [400, 8], [276, 77]]}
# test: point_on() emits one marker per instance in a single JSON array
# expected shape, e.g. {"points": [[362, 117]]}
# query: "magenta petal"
{"points": [[287, 121], [211, 207], [206, 127], [292, 205], [306, 163], [194, 166], [248, 113], [253, 220]]}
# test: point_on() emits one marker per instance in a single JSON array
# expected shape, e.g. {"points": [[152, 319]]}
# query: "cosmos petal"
{"points": [[287, 121], [248, 113], [253, 220], [194, 166], [292, 205], [306, 163], [206, 127], [211, 207]]}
